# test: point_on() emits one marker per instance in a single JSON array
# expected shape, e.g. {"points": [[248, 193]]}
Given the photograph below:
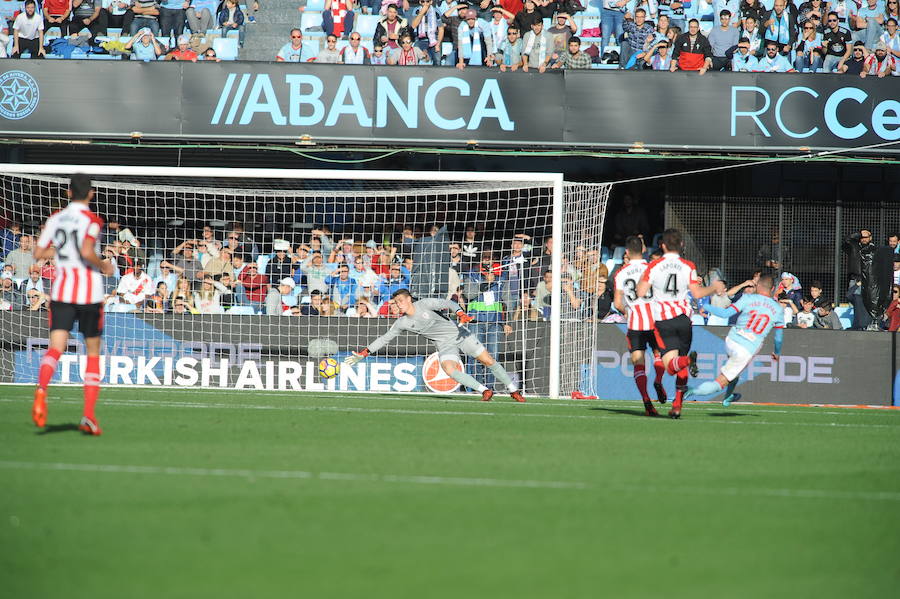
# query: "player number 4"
{"points": [[671, 284]]}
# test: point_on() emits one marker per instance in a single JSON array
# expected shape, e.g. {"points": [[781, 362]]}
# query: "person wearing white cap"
{"points": [[183, 50], [280, 300]]}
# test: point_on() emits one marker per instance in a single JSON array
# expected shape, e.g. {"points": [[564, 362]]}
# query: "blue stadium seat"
{"points": [[619, 253], [315, 5], [310, 20], [592, 7], [365, 25], [226, 48]]}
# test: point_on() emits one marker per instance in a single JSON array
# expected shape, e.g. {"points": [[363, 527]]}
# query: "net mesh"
{"points": [[479, 243]]}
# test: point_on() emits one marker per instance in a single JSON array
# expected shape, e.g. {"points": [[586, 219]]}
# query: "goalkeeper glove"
{"points": [[356, 357], [464, 318]]}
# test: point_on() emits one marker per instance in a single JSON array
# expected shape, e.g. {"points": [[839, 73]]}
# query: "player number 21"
{"points": [[757, 322]]}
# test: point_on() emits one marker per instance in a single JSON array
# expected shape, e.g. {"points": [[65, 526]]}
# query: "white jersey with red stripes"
{"points": [[670, 278], [76, 282], [640, 315]]}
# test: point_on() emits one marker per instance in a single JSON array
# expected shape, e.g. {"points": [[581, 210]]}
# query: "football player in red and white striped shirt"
{"points": [[77, 295], [640, 321], [670, 278]]}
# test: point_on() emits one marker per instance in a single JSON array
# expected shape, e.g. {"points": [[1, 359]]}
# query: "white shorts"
{"points": [[738, 359], [470, 346]]}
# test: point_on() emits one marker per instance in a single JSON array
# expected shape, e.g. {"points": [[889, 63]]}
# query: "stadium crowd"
{"points": [[497, 281], [843, 36]]}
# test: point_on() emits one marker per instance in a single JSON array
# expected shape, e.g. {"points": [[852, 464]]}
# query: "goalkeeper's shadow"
{"points": [[58, 428]]}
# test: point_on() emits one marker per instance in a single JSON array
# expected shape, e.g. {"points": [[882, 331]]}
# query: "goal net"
{"points": [[247, 278]]}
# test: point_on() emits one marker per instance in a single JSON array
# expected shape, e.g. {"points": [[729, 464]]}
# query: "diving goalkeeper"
{"points": [[427, 317]]}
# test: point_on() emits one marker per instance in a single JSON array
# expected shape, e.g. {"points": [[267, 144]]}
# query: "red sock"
{"points": [[680, 386], [91, 385], [660, 369], [640, 379], [48, 367], [677, 364]]}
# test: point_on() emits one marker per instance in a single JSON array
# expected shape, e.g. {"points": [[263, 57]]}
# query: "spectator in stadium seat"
{"points": [[11, 298], [692, 51], [806, 317], [282, 264], [280, 299], [88, 14], [160, 301], [429, 31], [57, 13], [181, 305], [892, 314], [612, 17], [525, 17], [837, 42], [252, 287], [879, 63], [743, 61], [562, 30], [752, 9], [470, 248], [329, 54], [183, 50], [344, 289], [171, 18], [790, 286], [22, 257], [316, 272], [363, 309], [199, 14], [722, 39], [389, 29], [639, 30], [486, 292], [207, 298], [231, 18], [143, 46], [495, 32], [134, 288], [780, 25], [9, 238], [772, 61], [362, 274], [472, 42], [34, 281], [869, 22], [857, 61], [826, 318], [337, 18], [378, 56], [394, 281], [769, 255], [355, 53], [185, 262], [219, 265], [750, 29], [508, 55], [314, 307], [295, 50], [891, 39], [808, 56], [28, 32], [146, 14], [537, 48]]}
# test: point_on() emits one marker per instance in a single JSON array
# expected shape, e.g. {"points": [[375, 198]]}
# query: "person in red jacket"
{"points": [[892, 314], [252, 287], [56, 14], [692, 51]]}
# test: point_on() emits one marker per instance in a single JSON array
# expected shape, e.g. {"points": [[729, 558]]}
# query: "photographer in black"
{"points": [[870, 269]]}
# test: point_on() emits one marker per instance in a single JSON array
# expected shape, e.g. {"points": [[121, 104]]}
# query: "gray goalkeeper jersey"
{"points": [[430, 321]]}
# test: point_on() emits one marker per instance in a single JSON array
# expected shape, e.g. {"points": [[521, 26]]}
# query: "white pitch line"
{"points": [[453, 481], [237, 406], [531, 403]]}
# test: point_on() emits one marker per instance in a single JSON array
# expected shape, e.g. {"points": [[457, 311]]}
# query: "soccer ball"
{"points": [[329, 368]]}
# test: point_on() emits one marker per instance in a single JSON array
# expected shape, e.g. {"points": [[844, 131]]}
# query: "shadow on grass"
{"points": [[58, 428], [731, 414], [625, 411]]}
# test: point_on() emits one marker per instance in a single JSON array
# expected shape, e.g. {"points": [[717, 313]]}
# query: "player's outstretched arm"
{"points": [[698, 290], [355, 357], [727, 312]]}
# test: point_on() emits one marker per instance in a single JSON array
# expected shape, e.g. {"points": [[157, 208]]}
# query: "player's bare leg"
{"points": [[714, 387], [59, 340], [451, 367], [88, 423], [640, 381], [500, 374]]}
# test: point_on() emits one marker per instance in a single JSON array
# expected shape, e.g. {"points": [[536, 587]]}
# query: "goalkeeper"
{"points": [[427, 318]]}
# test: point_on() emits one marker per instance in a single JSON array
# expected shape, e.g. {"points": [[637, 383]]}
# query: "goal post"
{"points": [[547, 350]]}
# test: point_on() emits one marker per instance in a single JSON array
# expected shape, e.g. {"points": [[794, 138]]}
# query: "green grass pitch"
{"points": [[218, 494]]}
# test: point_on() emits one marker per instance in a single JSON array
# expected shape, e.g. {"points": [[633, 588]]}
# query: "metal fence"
{"points": [[736, 235]]}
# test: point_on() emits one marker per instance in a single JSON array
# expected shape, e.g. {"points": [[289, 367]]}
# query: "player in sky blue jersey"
{"points": [[758, 314]]}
